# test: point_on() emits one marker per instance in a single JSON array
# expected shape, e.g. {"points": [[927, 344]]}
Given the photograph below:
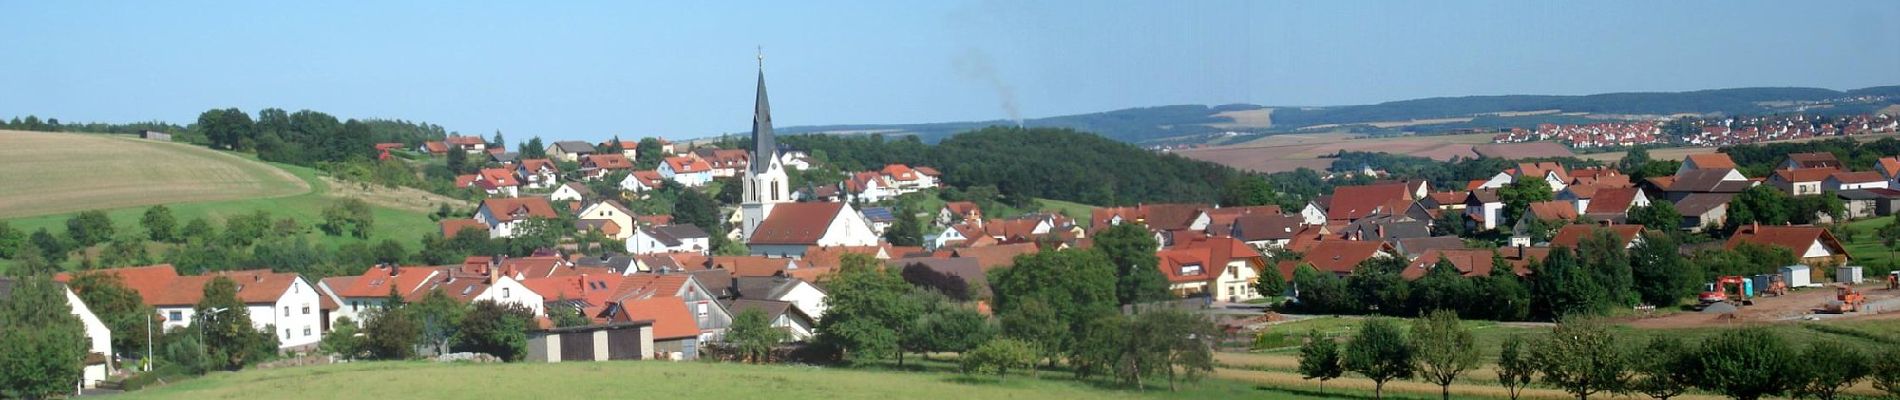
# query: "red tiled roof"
{"points": [[465, 140], [671, 319], [963, 208], [608, 161], [1554, 210], [797, 223], [1795, 238], [928, 171], [1712, 161], [534, 165], [452, 226], [1612, 200], [753, 265], [1889, 166], [377, 281], [1354, 202], [992, 257], [821, 256], [1858, 177], [1336, 256], [1804, 174], [687, 165], [436, 147], [499, 177], [899, 172], [149, 281], [511, 209], [1213, 254]]}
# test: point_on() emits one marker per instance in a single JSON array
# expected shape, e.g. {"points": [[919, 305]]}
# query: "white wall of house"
{"points": [[848, 229], [564, 193], [1236, 282], [1498, 181], [297, 316], [1817, 250], [1312, 215], [807, 298], [98, 340], [509, 291], [603, 210], [643, 243]]}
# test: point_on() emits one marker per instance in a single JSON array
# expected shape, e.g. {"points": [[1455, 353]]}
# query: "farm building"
{"points": [[155, 135]]}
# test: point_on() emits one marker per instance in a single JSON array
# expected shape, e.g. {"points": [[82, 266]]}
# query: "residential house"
{"points": [[643, 181], [1571, 235], [1266, 232], [453, 227], [869, 187], [795, 160], [468, 144], [1889, 167], [1801, 182], [506, 158], [609, 217], [498, 182], [907, 180], [629, 149], [1727, 180], [880, 218], [1817, 160], [1706, 161], [598, 166], [1484, 208], [1354, 202], [1704, 210], [1222, 268], [724, 163], [1468, 262], [687, 171], [1614, 204], [1855, 180], [365, 292], [998, 256], [1413, 247], [539, 173], [801, 294], [792, 227], [503, 215], [669, 239], [782, 315], [433, 148], [1812, 245], [958, 211], [573, 192], [281, 300], [570, 150], [1338, 257], [1554, 210]]}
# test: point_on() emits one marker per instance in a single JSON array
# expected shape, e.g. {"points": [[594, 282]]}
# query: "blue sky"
{"points": [[594, 69]]}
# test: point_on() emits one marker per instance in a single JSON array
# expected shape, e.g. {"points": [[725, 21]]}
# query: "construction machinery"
{"points": [[1846, 300], [1893, 280], [1736, 290], [1775, 286]]}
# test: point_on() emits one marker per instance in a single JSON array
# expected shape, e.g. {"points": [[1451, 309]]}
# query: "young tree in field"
{"points": [[496, 329], [11, 240], [1831, 367], [1131, 249], [1319, 358], [1444, 349], [198, 229], [1180, 343], [89, 228], [1660, 370], [1030, 322], [1381, 353], [999, 356], [1515, 366], [1746, 364], [160, 225], [1582, 358], [41, 342], [945, 326], [753, 336]]}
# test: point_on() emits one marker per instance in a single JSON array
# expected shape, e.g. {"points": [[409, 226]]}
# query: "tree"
{"points": [[228, 129], [754, 336], [123, 251], [1519, 195], [1177, 342], [160, 225], [120, 307], [1319, 358], [438, 315], [1319, 292], [229, 338], [1602, 253], [11, 240], [1831, 367], [498, 142], [1886, 372], [1270, 284], [1746, 364], [41, 343], [1515, 366], [944, 326], [1131, 249], [1243, 190], [1030, 321], [999, 356], [197, 228], [533, 148], [1443, 348], [1658, 215], [89, 228], [1381, 353], [50, 247], [458, 161], [867, 310], [1079, 285], [906, 231], [1375, 284], [497, 329], [1582, 358], [1560, 286], [923, 277], [342, 341], [568, 317], [1659, 272], [1445, 288], [1634, 159], [1659, 369], [647, 153], [390, 334], [1761, 204], [694, 208]]}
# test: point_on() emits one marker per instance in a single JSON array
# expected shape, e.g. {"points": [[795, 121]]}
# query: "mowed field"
{"points": [[54, 173], [1288, 152]]}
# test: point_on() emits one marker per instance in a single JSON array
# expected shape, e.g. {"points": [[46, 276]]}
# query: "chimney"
{"points": [[584, 284]]}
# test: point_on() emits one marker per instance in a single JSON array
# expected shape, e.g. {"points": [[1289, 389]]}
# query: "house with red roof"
{"points": [[1889, 167], [643, 181], [1801, 182], [958, 211], [497, 182], [1222, 268], [469, 144], [609, 217], [1815, 160], [1338, 257], [1812, 245], [433, 148], [284, 301], [1706, 161], [600, 165], [1571, 235], [869, 187], [1468, 262], [790, 228], [725, 163], [503, 215], [539, 173], [1855, 180], [906, 179], [688, 171]]}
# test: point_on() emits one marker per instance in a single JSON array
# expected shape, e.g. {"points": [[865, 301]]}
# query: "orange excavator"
{"points": [[1846, 300], [1776, 287], [1720, 292]]}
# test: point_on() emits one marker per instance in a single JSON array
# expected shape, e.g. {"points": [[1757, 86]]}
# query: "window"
{"points": [[176, 316], [504, 293], [286, 311], [1194, 269], [774, 190], [286, 333], [702, 309], [306, 309], [306, 331]]}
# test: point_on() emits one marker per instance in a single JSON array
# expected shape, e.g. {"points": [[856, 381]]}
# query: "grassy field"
{"points": [[63, 172], [400, 214], [664, 380]]}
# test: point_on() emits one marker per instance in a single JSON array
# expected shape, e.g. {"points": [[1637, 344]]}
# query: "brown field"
{"points": [[401, 198], [1261, 118], [1287, 152], [64, 172]]}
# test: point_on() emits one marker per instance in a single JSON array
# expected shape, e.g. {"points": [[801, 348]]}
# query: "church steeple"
{"points": [[764, 148]]}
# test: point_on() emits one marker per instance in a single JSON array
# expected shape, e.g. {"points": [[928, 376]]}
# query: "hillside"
{"points": [[58, 172], [1190, 124]]}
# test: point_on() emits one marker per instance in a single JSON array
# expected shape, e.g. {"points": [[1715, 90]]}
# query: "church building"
{"points": [[770, 222]]}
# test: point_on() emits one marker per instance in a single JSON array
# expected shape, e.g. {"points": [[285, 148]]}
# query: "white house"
{"points": [[870, 187], [571, 191], [804, 296], [669, 239], [793, 227], [502, 215], [98, 336], [539, 173], [1312, 214], [610, 211], [795, 159], [285, 304], [359, 294], [688, 171], [642, 181]]}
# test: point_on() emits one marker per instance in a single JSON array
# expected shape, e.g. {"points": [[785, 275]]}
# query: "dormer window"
{"points": [[1191, 269]]}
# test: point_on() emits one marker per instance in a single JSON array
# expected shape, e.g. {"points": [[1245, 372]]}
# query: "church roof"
{"points": [[797, 223], [763, 147]]}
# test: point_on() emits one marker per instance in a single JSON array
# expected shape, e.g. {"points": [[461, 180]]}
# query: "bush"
{"points": [[999, 356]]}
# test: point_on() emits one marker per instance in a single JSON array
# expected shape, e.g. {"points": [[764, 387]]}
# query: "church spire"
{"points": [[764, 148]]}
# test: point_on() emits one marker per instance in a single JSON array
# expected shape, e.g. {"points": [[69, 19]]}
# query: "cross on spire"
{"points": [[761, 50]]}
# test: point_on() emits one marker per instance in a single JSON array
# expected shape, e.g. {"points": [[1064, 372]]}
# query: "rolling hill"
{"points": [[1193, 124], [59, 172]]}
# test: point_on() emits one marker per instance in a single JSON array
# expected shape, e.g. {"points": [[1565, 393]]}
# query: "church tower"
{"points": [[765, 181]]}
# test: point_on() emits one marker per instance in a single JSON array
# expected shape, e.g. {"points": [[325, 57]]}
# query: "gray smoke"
{"points": [[975, 64]]}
